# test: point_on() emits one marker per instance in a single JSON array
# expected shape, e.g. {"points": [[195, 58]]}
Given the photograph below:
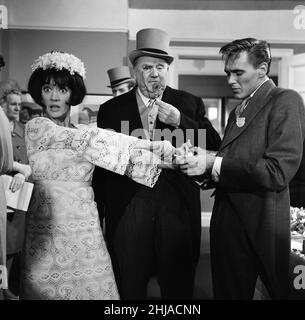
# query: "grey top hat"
{"points": [[119, 75], [152, 43]]}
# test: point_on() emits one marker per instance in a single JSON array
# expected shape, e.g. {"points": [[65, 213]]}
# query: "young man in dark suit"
{"points": [[260, 153], [153, 231]]}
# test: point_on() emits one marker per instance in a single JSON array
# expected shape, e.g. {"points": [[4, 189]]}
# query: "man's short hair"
{"points": [[258, 51]]}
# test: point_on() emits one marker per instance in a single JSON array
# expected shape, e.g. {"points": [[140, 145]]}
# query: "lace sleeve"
{"points": [[116, 152], [107, 149], [104, 148], [143, 167]]}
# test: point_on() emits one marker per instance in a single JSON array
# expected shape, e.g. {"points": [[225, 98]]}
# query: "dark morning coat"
{"points": [[297, 185], [259, 160], [116, 191]]}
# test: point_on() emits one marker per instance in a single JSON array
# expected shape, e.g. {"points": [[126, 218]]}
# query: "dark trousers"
{"points": [[236, 263], [153, 237]]}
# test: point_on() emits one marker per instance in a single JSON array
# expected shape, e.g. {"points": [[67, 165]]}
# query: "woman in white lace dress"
{"points": [[65, 256]]}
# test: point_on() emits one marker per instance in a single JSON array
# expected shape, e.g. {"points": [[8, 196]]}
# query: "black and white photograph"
{"points": [[152, 151]]}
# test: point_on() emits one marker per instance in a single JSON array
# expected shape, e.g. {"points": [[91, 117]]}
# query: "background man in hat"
{"points": [[29, 110], [153, 231], [120, 80], [260, 153]]}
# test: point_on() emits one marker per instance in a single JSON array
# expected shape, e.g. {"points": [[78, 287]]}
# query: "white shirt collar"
{"points": [[144, 99], [252, 94]]}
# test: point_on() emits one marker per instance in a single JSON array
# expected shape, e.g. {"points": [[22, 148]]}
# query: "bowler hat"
{"points": [[119, 75], [153, 43]]}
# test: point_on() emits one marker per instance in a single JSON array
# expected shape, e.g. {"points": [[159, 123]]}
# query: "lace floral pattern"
{"points": [[65, 255]]}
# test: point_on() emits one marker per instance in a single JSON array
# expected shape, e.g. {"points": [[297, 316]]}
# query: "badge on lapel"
{"points": [[240, 121]]}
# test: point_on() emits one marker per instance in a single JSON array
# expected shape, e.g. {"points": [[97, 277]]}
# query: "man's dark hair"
{"points": [[2, 63], [258, 51]]}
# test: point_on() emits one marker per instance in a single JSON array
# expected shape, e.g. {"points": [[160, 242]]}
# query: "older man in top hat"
{"points": [[120, 80], [153, 231]]}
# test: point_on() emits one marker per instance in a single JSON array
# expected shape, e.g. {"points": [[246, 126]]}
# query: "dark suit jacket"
{"points": [[297, 185], [259, 160], [116, 191]]}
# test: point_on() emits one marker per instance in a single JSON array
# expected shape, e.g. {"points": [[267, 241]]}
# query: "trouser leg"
{"points": [[133, 248], [234, 268], [174, 250]]}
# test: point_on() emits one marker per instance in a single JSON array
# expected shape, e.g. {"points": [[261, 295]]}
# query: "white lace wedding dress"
{"points": [[65, 256]]}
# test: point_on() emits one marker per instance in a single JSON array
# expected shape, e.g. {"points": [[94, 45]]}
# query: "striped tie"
{"points": [[151, 118], [241, 107]]}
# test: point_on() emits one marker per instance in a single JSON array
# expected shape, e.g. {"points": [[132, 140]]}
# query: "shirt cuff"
{"points": [[200, 183], [216, 169], [178, 120]]}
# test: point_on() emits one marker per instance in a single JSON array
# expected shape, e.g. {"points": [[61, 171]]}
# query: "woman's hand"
{"points": [[22, 168], [163, 149], [185, 149], [17, 182], [196, 163]]}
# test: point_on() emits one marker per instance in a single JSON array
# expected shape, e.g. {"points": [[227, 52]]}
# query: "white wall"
{"points": [[86, 15], [219, 25]]}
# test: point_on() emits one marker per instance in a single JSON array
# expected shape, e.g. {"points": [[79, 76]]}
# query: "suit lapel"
{"points": [[130, 111], [229, 126], [259, 100], [18, 129]]}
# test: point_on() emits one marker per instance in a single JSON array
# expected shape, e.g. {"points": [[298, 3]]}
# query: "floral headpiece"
{"points": [[60, 60]]}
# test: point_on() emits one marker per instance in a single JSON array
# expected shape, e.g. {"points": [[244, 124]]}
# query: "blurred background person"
{"points": [[24, 115], [91, 115], [120, 80], [83, 117], [10, 100], [6, 165], [29, 110]]}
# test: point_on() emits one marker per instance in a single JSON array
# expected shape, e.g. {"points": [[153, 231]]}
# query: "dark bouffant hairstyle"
{"points": [[258, 51], [62, 78]]}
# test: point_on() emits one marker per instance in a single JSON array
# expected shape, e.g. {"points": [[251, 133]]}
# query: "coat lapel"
{"points": [[130, 111], [259, 100], [18, 129]]}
